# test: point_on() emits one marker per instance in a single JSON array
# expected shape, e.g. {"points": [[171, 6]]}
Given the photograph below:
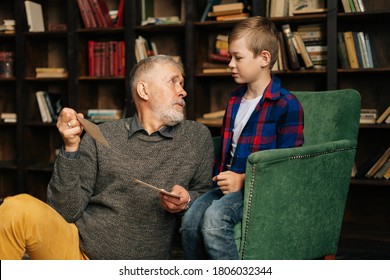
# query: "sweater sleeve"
{"points": [[201, 182], [71, 185]]}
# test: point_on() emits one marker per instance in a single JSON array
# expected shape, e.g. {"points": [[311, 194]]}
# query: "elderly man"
{"points": [[98, 208]]}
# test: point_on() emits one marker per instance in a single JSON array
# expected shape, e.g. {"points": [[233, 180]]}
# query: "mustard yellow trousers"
{"points": [[28, 225]]}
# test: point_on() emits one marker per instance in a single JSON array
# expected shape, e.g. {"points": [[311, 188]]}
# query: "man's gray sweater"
{"points": [[118, 218]]}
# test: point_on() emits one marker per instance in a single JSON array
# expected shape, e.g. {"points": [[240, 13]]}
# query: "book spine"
{"points": [[83, 13], [91, 58], [90, 13], [351, 51], [121, 8], [292, 54], [342, 51], [357, 48], [369, 52], [363, 49], [42, 107]]}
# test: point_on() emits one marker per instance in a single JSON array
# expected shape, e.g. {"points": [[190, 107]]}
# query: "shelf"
{"points": [[370, 182]]}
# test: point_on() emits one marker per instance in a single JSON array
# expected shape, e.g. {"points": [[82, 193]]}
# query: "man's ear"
{"points": [[265, 57], [141, 90]]}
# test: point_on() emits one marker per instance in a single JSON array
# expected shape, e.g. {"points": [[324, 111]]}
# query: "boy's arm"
{"points": [[290, 128]]}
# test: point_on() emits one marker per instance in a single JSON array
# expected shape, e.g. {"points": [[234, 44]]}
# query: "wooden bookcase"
{"points": [[28, 147]]}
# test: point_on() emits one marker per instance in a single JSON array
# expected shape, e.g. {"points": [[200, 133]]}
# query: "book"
{"points": [[291, 51], [8, 117], [367, 165], [121, 7], [6, 64], [53, 102], [382, 170], [342, 52], [282, 55], [363, 49], [216, 114], [101, 13], [296, 7], [50, 72], [228, 7], [216, 70], [351, 50], [224, 13], [43, 109], [303, 51], [239, 16], [384, 115], [357, 49], [347, 8], [219, 58], [278, 8], [208, 8], [34, 16], [84, 14], [369, 52], [378, 164]]}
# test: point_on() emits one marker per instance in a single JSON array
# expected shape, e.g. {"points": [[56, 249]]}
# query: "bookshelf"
{"points": [[28, 147]]}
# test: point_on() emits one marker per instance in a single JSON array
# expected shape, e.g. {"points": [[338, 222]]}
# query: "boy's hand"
{"points": [[229, 181]]}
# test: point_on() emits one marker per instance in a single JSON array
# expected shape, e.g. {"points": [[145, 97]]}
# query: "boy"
{"points": [[260, 115]]}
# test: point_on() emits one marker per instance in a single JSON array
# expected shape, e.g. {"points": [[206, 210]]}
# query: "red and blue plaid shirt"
{"points": [[276, 122]]}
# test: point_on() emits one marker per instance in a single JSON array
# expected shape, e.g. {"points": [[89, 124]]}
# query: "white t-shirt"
{"points": [[246, 109]]}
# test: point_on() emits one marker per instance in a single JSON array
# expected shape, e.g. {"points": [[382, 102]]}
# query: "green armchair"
{"points": [[295, 198]]}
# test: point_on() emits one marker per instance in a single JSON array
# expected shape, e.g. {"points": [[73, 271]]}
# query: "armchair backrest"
{"points": [[330, 115]]}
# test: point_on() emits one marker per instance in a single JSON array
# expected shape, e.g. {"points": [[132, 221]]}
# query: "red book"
{"points": [[121, 7], [121, 58], [83, 13], [113, 58], [219, 58], [89, 13], [91, 58], [98, 52], [101, 13]]}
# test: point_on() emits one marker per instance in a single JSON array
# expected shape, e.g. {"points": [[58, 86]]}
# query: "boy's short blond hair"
{"points": [[261, 35]]}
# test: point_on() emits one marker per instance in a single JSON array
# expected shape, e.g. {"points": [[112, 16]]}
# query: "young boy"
{"points": [[260, 115]]}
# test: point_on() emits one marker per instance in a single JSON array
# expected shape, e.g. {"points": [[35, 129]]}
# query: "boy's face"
{"points": [[245, 67]]}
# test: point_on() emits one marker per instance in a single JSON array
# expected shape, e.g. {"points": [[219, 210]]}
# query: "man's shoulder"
{"points": [[193, 129]]}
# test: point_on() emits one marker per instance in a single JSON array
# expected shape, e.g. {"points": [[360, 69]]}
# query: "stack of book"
{"points": [[226, 12], [106, 59], [50, 72], [219, 56], [368, 116], [103, 115], [49, 105], [8, 117], [354, 50], [8, 26]]}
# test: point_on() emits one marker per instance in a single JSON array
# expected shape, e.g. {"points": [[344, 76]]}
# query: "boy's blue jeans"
{"points": [[208, 226]]}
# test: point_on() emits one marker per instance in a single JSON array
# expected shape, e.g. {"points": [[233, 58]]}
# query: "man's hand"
{"points": [[173, 204], [70, 129], [229, 181]]}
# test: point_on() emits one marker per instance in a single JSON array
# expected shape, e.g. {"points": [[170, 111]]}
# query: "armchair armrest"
{"points": [[294, 201]]}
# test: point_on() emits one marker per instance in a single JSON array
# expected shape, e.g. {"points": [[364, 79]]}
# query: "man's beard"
{"points": [[168, 113]]}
